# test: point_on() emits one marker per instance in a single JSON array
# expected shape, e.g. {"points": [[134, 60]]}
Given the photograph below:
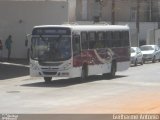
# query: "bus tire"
{"points": [[47, 79], [113, 70], [84, 73], [154, 59], [135, 64], [144, 61], [28, 54]]}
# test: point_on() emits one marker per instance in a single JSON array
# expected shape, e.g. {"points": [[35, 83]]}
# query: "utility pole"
{"points": [[137, 22], [150, 10], [68, 11], [113, 12], [98, 10]]}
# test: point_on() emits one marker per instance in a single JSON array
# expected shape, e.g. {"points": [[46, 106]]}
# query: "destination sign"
{"points": [[51, 31]]}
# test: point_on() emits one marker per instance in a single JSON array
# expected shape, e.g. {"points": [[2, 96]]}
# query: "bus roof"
{"points": [[87, 27]]}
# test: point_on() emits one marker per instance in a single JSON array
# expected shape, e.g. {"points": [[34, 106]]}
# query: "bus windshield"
{"points": [[55, 48]]}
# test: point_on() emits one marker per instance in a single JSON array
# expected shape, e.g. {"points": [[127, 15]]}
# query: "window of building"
{"points": [[133, 14]]}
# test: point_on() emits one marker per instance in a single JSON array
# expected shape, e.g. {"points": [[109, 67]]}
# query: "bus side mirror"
{"points": [[28, 36], [26, 42]]}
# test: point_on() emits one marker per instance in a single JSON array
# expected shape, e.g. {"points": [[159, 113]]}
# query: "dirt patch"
{"points": [[135, 102]]}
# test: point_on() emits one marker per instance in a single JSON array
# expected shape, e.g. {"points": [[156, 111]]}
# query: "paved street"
{"points": [[133, 91]]}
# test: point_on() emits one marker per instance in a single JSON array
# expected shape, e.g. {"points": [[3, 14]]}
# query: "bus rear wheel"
{"points": [[135, 64], [84, 73], [154, 59], [112, 74], [47, 79]]}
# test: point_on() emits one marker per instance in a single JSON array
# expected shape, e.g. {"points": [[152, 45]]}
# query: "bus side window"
{"points": [[116, 42], [100, 41], [117, 39], [121, 37], [76, 45], [108, 39], [92, 39], [125, 38], [84, 40], [112, 39]]}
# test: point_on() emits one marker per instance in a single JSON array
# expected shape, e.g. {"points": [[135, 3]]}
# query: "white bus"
{"points": [[79, 50]]}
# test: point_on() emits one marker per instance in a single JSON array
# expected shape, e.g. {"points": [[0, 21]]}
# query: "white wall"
{"points": [[157, 37], [150, 37], [144, 28], [153, 37], [84, 9], [18, 18], [72, 10]]}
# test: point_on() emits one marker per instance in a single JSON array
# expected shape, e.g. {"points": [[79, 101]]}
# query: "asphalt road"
{"points": [[136, 90]]}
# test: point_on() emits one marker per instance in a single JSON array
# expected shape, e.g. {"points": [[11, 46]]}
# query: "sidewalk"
{"points": [[15, 61], [13, 68]]}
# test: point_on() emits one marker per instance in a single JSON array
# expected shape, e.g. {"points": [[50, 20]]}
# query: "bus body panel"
{"points": [[98, 60], [62, 69], [93, 57], [122, 66]]}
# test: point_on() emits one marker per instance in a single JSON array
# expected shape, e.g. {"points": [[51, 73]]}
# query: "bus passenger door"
{"points": [[28, 45], [76, 45]]}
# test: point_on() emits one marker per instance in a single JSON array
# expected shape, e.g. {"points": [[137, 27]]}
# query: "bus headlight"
{"points": [[34, 67], [67, 66]]}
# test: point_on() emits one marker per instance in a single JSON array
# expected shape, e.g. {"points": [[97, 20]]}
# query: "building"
{"points": [[17, 18], [125, 10], [122, 12]]}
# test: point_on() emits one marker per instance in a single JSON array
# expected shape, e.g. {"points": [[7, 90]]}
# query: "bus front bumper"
{"points": [[69, 73]]}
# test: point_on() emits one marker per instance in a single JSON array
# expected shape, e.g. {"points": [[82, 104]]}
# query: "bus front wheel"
{"points": [[47, 79], [112, 74], [84, 73], [154, 59]]}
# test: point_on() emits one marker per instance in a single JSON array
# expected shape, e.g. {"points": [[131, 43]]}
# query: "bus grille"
{"points": [[49, 73], [50, 64]]}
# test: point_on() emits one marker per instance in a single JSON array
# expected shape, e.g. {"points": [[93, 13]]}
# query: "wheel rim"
{"points": [[113, 70], [135, 62], [142, 62], [83, 76], [153, 59], [84, 73]]}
